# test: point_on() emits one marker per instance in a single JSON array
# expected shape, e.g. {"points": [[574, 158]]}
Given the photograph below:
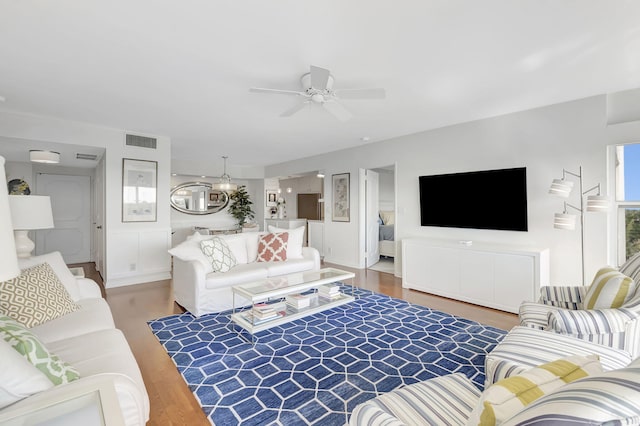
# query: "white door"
{"points": [[71, 205], [372, 234]]}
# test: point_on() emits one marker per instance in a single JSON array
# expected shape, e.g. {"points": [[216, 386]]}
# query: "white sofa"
{"points": [[87, 340], [200, 290]]}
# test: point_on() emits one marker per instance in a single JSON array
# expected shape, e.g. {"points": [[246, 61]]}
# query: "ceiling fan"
{"points": [[318, 90]]}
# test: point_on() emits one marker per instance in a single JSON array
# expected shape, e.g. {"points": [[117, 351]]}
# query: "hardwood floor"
{"points": [[171, 400]]}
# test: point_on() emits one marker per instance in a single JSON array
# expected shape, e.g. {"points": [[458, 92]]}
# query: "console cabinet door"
{"points": [[476, 277], [514, 281], [432, 269]]}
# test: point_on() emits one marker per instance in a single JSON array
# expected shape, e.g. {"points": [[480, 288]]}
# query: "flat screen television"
{"points": [[488, 199]]}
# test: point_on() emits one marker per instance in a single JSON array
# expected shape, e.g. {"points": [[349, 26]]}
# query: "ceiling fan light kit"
{"points": [[318, 90]]}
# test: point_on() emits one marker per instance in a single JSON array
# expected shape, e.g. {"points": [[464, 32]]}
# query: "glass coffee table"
{"points": [[270, 289]]}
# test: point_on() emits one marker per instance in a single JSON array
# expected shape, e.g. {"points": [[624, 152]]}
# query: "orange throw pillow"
{"points": [[273, 247]]}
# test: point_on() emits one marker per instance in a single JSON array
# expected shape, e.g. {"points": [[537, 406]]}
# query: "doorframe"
{"points": [[362, 215]]}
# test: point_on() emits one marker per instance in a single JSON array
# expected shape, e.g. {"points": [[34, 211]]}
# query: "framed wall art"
{"points": [[139, 190], [272, 198], [340, 199]]}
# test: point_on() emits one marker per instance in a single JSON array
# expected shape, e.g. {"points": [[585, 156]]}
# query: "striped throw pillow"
{"points": [[610, 398], [509, 396], [609, 289]]}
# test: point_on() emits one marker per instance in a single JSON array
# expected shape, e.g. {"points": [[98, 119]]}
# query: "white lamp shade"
{"points": [[31, 212], [225, 186], [597, 203], [564, 221], [8, 259], [561, 187], [47, 157]]}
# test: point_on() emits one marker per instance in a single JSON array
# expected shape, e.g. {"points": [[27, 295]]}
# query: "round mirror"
{"points": [[198, 198]]}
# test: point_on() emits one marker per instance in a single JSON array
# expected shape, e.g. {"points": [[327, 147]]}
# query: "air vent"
{"points": [[141, 141], [81, 156]]}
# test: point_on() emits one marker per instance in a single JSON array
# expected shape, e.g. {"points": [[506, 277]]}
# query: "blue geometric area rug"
{"points": [[315, 370]]}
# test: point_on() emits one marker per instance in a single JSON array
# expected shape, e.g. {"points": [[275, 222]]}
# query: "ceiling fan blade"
{"points": [[360, 93], [278, 91], [319, 77], [337, 110], [296, 108]]}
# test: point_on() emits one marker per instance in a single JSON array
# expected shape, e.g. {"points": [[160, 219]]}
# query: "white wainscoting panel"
{"points": [[138, 256]]}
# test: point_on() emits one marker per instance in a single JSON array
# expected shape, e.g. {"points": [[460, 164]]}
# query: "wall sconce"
{"points": [[289, 190], [594, 203]]}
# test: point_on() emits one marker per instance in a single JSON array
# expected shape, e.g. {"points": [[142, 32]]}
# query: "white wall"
{"points": [[545, 140], [135, 252]]}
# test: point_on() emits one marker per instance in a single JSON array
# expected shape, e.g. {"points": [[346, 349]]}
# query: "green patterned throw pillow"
{"points": [[219, 254], [35, 296], [27, 344]]}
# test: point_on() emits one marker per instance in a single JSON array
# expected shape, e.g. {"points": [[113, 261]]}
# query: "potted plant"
{"points": [[240, 207]]}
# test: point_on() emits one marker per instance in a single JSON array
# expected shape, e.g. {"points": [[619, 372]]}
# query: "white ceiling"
{"points": [[183, 68]]}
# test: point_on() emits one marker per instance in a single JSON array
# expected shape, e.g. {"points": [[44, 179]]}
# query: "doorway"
{"points": [[380, 217]]}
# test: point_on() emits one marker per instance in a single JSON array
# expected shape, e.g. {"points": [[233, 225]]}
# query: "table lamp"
{"points": [[29, 212]]}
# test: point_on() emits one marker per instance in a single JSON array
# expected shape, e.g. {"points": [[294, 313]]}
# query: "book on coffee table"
{"points": [[298, 301]]}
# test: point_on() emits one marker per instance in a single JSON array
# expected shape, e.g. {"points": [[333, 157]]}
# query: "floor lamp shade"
{"points": [[597, 203], [29, 212], [8, 260], [564, 221], [561, 187]]}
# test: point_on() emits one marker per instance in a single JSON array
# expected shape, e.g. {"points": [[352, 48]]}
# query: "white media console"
{"points": [[492, 275]]}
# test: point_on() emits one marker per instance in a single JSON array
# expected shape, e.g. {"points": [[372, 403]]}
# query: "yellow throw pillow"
{"points": [[508, 396], [609, 289]]}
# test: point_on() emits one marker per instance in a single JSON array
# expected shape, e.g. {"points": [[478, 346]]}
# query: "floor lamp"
{"points": [[594, 203], [8, 259]]}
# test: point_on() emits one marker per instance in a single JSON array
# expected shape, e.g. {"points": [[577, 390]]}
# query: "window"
{"points": [[627, 202]]}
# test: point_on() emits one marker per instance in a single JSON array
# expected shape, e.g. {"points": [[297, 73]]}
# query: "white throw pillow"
{"points": [[296, 238], [238, 246], [55, 260], [252, 239], [189, 250], [18, 377]]}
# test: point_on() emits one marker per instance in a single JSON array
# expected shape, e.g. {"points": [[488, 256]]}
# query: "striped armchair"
{"points": [[611, 397], [562, 310]]}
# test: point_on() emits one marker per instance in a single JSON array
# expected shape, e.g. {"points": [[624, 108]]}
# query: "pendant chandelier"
{"points": [[225, 180]]}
